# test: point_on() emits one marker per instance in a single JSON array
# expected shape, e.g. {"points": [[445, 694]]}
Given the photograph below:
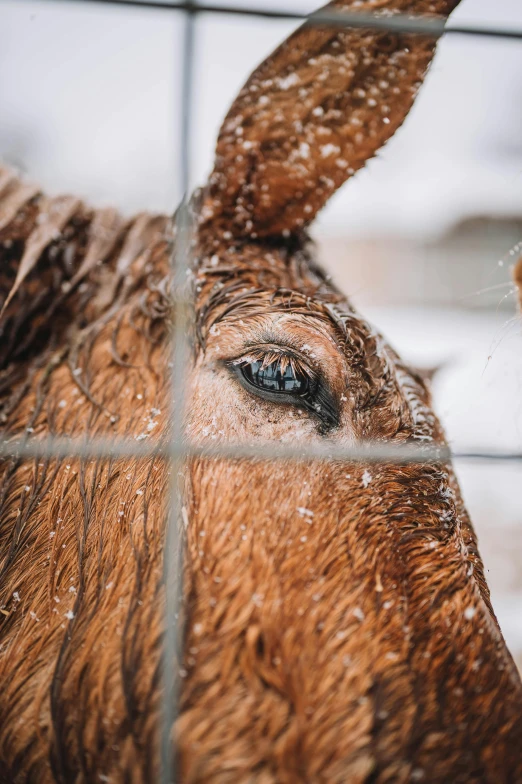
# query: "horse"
{"points": [[336, 624]]}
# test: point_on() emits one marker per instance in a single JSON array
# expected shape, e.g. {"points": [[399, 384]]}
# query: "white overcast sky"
{"points": [[89, 102]]}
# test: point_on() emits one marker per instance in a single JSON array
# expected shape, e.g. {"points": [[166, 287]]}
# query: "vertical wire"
{"points": [[173, 554]]}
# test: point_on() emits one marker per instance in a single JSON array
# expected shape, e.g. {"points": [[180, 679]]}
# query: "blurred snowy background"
{"points": [[423, 239]]}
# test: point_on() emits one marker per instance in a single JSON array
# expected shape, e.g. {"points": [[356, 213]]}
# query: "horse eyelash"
{"points": [[268, 357]]}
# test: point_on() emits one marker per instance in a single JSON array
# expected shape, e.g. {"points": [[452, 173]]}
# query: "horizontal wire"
{"points": [[398, 23], [367, 452]]}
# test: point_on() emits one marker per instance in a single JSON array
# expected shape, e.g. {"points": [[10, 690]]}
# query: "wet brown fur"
{"points": [[337, 621]]}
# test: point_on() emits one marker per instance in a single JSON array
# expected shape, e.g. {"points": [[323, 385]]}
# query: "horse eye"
{"points": [[272, 378]]}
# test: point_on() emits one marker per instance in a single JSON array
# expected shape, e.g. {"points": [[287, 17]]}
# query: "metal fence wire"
{"points": [[177, 449]]}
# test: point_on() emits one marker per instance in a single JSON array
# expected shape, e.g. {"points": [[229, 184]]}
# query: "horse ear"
{"points": [[311, 115]]}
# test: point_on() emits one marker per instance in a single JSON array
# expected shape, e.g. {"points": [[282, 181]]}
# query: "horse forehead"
{"points": [[268, 322]]}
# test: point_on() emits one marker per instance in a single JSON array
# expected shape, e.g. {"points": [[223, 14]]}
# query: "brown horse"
{"points": [[338, 626]]}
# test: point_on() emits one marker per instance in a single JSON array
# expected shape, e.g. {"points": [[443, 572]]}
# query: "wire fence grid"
{"points": [[398, 23], [176, 449]]}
